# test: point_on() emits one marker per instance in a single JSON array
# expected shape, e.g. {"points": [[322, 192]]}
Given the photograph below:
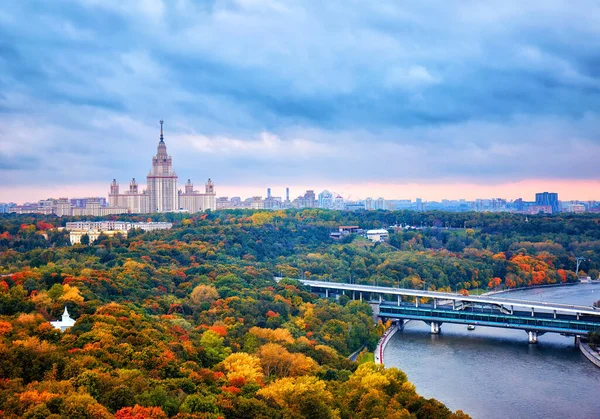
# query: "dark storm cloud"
{"points": [[254, 90]]}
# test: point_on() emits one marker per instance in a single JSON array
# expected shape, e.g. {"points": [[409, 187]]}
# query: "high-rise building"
{"points": [[310, 199], [326, 199], [547, 199], [161, 182], [161, 193]]}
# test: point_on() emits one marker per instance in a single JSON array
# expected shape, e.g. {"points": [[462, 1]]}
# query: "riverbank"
{"points": [[590, 353], [380, 349]]}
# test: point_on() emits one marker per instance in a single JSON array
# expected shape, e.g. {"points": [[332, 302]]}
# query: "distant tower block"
{"points": [[210, 187], [114, 187], [133, 186], [268, 192], [287, 194], [189, 187]]}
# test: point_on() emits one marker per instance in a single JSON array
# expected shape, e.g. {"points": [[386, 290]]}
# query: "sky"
{"points": [[432, 99]]}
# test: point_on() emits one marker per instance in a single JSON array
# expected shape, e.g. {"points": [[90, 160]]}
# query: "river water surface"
{"points": [[495, 373]]}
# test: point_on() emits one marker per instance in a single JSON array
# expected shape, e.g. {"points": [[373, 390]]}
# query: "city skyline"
{"points": [[456, 102], [525, 190]]}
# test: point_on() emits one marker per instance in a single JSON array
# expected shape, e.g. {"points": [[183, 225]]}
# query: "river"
{"points": [[495, 373]]}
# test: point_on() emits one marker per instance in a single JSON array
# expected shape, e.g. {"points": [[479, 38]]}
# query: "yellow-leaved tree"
{"points": [[243, 366], [301, 397]]}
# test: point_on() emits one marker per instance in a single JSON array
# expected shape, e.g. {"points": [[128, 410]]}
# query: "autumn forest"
{"points": [[189, 322]]}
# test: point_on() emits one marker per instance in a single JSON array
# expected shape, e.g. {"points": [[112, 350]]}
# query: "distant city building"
{"points": [[326, 200], [116, 225], [547, 199], [379, 204], [338, 203], [161, 194], [63, 207], [419, 205], [82, 202], [195, 201], [378, 235], [539, 209], [6, 207], [223, 202], [93, 229], [310, 199], [576, 208], [354, 206]]}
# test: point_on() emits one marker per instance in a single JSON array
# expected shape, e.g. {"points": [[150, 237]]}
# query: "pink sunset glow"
{"points": [[585, 190]]}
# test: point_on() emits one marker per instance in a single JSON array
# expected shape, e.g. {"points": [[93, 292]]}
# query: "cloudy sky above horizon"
{"points": [[438, 99]]}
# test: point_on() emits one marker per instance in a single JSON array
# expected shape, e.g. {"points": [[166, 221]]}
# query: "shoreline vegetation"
{"points": [[188, 322]]}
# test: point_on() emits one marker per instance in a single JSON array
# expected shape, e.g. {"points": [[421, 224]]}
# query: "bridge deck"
{"points": [[321, 286], [542, 322]]}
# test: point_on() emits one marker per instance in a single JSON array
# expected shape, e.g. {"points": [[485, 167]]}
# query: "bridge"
{"points": [[435, 308]]}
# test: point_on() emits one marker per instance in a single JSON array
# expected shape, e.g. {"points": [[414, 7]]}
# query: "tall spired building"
{"points": [[161, 194], [161, 182]]}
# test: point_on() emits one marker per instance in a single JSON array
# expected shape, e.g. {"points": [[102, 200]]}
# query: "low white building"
{"points": [[64, 323], [93, 229], [379, 235], [75, 236]]}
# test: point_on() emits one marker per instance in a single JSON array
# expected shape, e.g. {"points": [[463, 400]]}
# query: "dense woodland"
{"points": [[189, 322]]}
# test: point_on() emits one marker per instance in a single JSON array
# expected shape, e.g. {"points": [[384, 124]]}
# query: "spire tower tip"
{"points": [[161, 129]]}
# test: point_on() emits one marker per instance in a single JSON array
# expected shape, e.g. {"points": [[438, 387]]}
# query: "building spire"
{"points": [[161, 130]]}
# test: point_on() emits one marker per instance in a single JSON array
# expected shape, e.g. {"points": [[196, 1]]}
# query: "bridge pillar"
{"points": [[577, 340], [401, 324], [435, 303], [399, 300], [326, 292], [361, 296], [380, 298], [532, 336], [435, 328], [532, 311], [554, 313]]}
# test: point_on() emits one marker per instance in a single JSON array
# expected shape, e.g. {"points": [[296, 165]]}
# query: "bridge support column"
{"points": [[532, 336], [380, 298], [435, 303], [361, 296], [401, 324], [399, 300], [435, 328], [577, 340], [326, 292]]}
